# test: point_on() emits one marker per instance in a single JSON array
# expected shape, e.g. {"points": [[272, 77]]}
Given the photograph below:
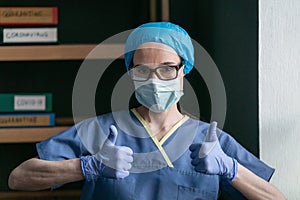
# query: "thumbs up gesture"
{"points": [[209, 157], [111, 161]]}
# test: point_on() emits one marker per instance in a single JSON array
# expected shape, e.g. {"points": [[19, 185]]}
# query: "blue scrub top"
{"points": [[156, 174]]}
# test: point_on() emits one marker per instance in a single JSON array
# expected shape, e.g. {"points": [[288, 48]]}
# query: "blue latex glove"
{"points": [[111, 161], [209, 158]]}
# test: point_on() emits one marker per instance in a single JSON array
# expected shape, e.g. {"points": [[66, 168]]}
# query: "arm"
{"points": [[36, 174], [254, 187]]}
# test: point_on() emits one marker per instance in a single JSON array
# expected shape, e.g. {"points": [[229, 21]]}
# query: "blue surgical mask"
{"points": [[158, 95]]}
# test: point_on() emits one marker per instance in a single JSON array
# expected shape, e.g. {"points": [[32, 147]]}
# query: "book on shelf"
{"points": [[28, 16], [28, 35], [27, 120], [25, 102]]}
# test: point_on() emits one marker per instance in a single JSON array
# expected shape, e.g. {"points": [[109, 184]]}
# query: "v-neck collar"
{"points": [[164, 138]]}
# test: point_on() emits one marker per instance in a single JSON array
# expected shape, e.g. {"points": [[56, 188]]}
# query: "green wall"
{"points": [[228, 31]]}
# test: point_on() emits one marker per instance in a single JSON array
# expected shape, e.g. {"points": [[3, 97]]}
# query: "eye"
{"points": [[166, 69], [141, 69]]}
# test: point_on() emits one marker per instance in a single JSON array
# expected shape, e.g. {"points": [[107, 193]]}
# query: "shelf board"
{"points": [[28, 135], [59, 194], [61, 52]]}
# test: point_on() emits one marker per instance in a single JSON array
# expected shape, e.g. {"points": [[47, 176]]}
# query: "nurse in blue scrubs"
{"points": [[153, 151]]}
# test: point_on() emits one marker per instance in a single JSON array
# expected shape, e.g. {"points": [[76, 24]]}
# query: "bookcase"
{"points": [[53, 67], [32, 135], [46, 53]]}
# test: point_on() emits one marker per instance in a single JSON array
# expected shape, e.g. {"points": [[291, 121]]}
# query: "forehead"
{"points": [[156, 45], [153, 52]]}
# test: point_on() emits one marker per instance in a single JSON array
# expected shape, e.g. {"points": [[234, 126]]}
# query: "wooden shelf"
{"points": [[43, 195], [28, 135], [61, 52]]}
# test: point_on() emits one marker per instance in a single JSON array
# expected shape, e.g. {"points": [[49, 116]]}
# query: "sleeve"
{"points": [[62, 146], [233, 149], [65, 145]]}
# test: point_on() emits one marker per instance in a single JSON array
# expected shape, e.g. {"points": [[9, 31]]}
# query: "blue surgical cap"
{"points": [[162, 32]]}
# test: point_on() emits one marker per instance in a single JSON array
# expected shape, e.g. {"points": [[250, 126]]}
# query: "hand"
{"points": [[111, 161], [209, 157]]}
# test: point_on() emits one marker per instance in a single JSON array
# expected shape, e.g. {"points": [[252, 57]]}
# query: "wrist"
{"points": [[232, 170], [83, 161], [90, 167]]}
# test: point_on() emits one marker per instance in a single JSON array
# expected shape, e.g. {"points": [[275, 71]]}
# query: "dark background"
{"points": [[226, 29]]}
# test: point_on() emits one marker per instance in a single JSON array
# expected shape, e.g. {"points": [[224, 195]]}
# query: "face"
{"points": [[155, 54]]}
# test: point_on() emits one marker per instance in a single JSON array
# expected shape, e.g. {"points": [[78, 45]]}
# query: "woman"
{"points": [[152, 151]]}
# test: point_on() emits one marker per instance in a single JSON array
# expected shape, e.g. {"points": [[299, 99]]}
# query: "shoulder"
{"points": [[103, 120]]}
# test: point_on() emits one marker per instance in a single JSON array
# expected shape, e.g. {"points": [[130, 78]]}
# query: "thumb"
{"points": [[210, 140], [112, 137], [212, 132]]}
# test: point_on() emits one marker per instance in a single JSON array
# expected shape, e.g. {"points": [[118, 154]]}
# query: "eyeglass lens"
{"points": [[143, 72]]}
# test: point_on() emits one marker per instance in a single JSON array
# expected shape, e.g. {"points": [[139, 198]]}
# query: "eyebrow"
{"points": [[168, 63]]}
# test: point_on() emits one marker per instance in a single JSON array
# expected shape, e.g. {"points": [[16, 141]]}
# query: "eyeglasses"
{"points": [[163, 72]]}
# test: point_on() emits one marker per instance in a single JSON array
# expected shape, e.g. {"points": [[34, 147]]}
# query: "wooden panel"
{"points": [[61, 52], [27, 135], [165, 10], [152, 10]]}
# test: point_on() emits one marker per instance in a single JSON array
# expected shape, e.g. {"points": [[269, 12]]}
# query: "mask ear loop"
{"points": [[182, 64], [179, 107], [130, 65]]}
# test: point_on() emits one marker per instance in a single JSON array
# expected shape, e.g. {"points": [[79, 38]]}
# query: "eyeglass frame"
{"points": [[177, 67]]}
